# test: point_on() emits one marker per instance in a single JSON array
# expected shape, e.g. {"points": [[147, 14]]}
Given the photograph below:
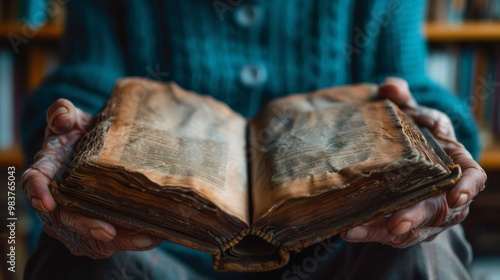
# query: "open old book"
{"points": [[186, 168]]}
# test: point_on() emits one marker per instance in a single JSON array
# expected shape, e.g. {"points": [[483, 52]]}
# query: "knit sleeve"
{"points": [[91, 61], [394, 46]]}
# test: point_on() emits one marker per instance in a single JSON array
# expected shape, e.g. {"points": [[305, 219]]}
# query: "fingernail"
{"points": [[357, 233], [403, 227], [59, 111], [37, 203], [142, 241], [100, 234], [387, 80], [462, 199]]}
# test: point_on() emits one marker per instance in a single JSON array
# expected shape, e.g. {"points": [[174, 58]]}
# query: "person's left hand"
{"points": [[424, 220]]}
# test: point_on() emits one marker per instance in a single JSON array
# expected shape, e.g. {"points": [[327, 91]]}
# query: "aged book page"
{"points": [[179, 139], [306, 145]]}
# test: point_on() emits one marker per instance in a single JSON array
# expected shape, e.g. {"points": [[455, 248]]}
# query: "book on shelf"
{"points": [[186, 168], [482, 10], [7, 99], [457, 11], [34, 13], [495, 121], [11, 100]]}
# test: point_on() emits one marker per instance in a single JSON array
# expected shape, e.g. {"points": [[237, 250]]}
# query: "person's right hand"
{"points": [[82, 235]]}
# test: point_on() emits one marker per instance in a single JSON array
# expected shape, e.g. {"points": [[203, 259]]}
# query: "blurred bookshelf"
{"points": [[464, 57], [30, 31], [463, 39]]}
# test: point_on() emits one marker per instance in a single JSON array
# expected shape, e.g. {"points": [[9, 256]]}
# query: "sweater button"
{"points": [[248, 15], [253, 75]]}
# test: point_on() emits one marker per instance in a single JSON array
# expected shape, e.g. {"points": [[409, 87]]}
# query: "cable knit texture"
{"points": [[243, 54]]}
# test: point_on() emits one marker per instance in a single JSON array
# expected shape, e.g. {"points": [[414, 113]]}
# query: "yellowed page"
{"points": [[304, 145], [179, 138]]}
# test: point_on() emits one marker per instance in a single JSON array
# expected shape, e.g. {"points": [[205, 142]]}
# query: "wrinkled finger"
{"points": [[379, 233], [437, 122], [134, 241], [83, 225], [471, 183], [397, 90], [429, 212], [36, 178], [360, 233], [96, 238], [95, 249], [473, 177], [35, 182], [62, 116]]}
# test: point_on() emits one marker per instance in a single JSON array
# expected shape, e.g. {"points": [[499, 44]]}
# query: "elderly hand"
{"points": [[82, 235], [424, 220]]}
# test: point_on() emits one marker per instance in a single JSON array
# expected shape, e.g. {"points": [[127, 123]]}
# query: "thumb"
{"points": [[398, 91], [63, 116]]}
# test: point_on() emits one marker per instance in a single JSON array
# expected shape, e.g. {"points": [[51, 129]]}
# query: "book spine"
{"points": [[496, 100], [480, 85], [33, 12], [457, 11], [465, 73], [6, 99], [489, 91]]}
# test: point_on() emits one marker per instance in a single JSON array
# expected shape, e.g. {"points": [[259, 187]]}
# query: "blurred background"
{"points": [[464, 56]]}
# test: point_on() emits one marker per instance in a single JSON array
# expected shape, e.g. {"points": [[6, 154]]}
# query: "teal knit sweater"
{"points": [[243, 52]]}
